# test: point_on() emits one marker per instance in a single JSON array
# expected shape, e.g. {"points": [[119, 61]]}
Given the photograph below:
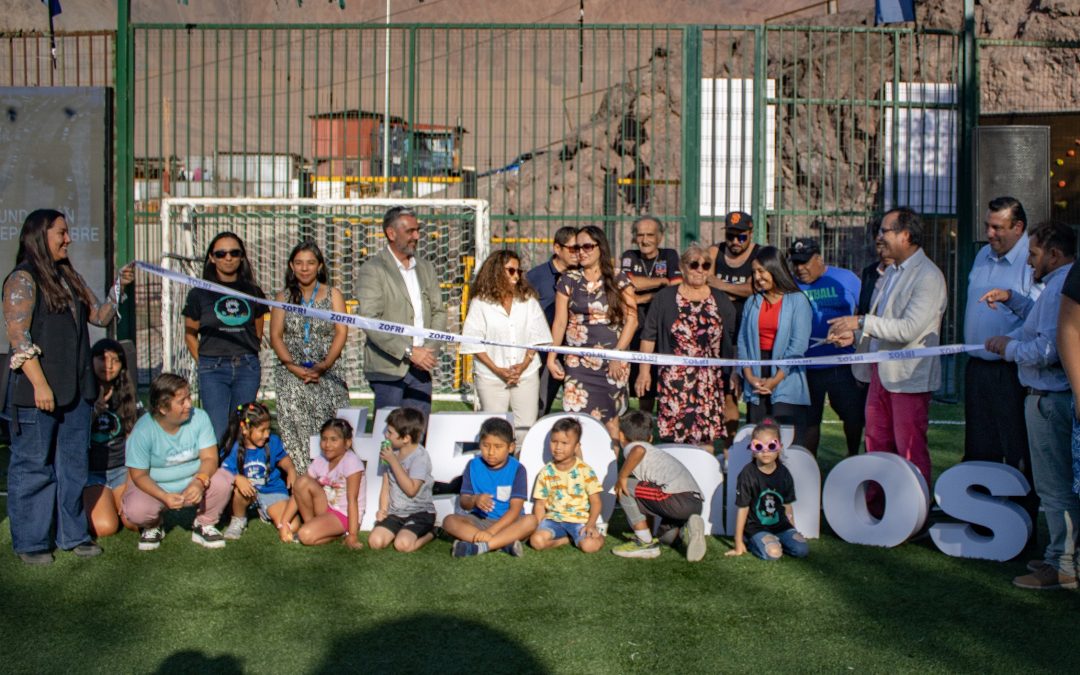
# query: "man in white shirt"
{"points": [[904, 314], [397, 285]]}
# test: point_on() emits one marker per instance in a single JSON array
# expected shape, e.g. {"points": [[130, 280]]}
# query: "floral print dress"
{"points": [[588, 387], [692, 399]]}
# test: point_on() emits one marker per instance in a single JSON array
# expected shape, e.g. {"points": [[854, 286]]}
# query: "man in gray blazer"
{"points": [[396, 285], [905, 313]]}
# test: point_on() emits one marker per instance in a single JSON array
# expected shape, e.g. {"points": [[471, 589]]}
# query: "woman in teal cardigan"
{"points": [[776, 325]]}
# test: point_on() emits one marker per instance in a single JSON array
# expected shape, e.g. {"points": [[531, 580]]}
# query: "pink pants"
{"points": [[897, 423], [142, 510]]}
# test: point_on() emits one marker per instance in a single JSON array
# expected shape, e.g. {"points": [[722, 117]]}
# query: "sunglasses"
{"points": [[703, 265], [513, 271], [583, 248], [222, 253], [771, 446], [736, 236]]}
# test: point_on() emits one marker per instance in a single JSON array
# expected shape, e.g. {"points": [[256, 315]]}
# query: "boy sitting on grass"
{"points": [[493, 492], [566, 499], [655, 483]]}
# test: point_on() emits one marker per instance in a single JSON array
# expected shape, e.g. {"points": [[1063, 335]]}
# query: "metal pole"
{"points": [[386, 108], [691, 134], [124, 228]]}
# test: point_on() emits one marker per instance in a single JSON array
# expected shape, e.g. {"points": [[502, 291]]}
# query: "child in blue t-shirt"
{"points": [[493, 491], [264, 473]]}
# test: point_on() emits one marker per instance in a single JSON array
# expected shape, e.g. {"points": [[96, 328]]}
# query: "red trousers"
{"points": [[897, 423]]}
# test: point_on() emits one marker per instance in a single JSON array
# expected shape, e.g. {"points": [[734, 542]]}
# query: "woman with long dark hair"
{"points": [[224, 332], [505, 309], [308, 380], [595, 307], [47, 307], [776, 324], [116, 410]]}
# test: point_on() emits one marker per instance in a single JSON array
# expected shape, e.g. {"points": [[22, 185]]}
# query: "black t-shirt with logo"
{"points": [[226, 322], [107, 438], [1071, 289], [736, 276], [664, 266], [765, 495]]}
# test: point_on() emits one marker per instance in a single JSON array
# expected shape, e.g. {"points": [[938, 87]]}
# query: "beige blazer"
{"points": [[910, 319], [382, 294]]}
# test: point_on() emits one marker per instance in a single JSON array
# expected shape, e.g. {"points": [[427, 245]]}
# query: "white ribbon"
{"points": [[379, 326]]}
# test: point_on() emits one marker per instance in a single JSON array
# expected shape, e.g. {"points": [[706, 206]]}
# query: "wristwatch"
{"points": [[408, 354], [862, 321]]}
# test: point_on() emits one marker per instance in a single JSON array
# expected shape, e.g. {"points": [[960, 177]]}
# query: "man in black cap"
{"points": [[732, 273], [833, 292]]}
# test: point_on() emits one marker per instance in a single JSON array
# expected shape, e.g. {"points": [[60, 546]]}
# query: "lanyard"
{"points": [[309, 303]]}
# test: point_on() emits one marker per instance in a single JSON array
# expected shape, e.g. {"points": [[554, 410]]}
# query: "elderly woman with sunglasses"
{"points": [[695, 320], [224, 332], [505, 308]]}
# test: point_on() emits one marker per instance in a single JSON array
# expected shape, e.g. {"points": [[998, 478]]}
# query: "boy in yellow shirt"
{"points": [[566, 499]]}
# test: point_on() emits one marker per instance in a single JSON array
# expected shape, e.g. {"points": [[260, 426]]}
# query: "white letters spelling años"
{"points": [[452, 438]]}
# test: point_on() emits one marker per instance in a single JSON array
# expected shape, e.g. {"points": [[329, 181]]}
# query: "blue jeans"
{"points": [[226, 382], [796, 547], [411, 391], [46, 476], [1049, 428]]}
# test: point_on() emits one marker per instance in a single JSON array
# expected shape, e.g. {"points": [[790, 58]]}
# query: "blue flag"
{"points": [[893, 11], [54, 7]]}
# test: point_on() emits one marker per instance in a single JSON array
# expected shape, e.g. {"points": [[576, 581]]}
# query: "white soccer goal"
{"points": [[454, 237]]}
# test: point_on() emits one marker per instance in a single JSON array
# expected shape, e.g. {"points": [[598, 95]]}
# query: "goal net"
{"points": [[454, 238]]}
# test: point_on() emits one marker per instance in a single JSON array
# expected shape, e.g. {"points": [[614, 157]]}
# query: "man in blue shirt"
{"points": [[1048, 401], [995, 423], [543, 278], [833, 292]]}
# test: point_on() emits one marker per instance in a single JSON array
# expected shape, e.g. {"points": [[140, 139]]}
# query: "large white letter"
{"points": [[906, 499], [1010, 524], [595, 451]]}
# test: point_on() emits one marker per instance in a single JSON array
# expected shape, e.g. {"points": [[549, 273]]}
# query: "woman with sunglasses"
{"points": [[776, 324], [595, 307], [224, 332], [505, 308], [691, 319]]}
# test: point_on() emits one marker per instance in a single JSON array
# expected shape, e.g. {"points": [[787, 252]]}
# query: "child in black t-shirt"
{"points": [[764, 494]]}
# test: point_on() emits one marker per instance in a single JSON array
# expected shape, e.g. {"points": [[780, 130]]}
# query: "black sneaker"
{"points": [[150, 538], [43, 558], [207, 536], [88, 550]]}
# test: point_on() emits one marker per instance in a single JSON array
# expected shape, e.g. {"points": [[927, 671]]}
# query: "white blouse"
{"points": [[524, 325]]}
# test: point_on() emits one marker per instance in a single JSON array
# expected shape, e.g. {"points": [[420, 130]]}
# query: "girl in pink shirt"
{"points": [[330, 497]]}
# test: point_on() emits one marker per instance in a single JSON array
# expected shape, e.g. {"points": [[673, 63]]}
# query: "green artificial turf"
{"points": [[262, 606]]}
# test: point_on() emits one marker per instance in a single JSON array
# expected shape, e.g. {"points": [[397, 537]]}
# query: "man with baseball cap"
{"points": [[732, 262], [833, 292]]}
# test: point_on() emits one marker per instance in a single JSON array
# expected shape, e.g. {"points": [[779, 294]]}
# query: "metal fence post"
{"points": [[757, 150], [123, 149], [691, 135]]}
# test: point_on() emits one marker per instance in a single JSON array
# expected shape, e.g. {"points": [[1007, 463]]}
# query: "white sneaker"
{"points": [[150, 538], [694, 538], [236, 528], [207, 536]]}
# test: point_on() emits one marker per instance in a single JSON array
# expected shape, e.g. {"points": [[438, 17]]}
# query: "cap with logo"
{"points": [[738, 221], [801, 250]]}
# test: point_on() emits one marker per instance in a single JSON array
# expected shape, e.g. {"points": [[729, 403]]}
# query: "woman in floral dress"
{"points": [[594, 308], [308, 379], [691, 319]]}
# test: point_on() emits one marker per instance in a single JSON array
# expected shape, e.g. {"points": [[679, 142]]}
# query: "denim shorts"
{"points": [[559, 529], [264, 500], [110, 478]]}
